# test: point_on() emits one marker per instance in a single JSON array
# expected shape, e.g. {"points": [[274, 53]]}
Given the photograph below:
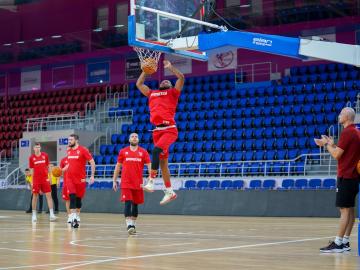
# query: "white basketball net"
{"points": [[145, 54]]}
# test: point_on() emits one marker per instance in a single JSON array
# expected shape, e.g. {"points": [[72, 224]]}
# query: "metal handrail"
{"points": [[288, 167], [242, 68]]}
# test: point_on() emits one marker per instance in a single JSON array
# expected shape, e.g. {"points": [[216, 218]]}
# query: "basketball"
{"points": [[358, 167], [149, 66], [56, 171]]}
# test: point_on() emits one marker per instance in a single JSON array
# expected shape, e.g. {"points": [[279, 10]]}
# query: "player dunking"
{"points": [[75, 170], [162, 105], [132, 160], [39, 164]]}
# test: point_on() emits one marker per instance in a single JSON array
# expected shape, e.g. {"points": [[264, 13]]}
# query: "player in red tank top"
{"points": [[131, 161], [162, 105], [39, 165], [77, 156]]}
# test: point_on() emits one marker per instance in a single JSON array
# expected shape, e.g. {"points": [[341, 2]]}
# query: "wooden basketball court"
{"points": [[170, 242]]}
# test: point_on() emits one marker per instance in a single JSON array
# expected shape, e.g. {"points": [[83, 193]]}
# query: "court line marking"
{"points": [[57, 253], [179, 244], [75, 242], [193, 251], [40, 265]]}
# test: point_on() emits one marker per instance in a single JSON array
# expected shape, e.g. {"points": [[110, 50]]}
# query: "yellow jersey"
{"points": [[53, 179], [28, 179]]}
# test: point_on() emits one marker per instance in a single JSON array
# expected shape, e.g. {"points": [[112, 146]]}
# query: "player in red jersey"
{"points": [[65, 194], [39, 165], [77, 157], [162, 105], [132, 160]]}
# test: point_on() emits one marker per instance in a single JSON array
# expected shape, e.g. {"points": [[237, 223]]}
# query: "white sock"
{"points": [[34, 213], [51, 212], [345, 239], [73, 216], [338, 240], [128, 222], [133, 222], [169, 190]]}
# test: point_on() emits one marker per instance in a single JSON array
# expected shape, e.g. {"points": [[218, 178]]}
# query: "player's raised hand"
{"points": [[167, 64], [115, 186]]}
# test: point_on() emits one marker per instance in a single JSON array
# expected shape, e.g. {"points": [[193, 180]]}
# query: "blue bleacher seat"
{"points": [[190, 184], [315, 183], [202, 184], [238, 184], [329, 183], [214, 184], [226, 184], [269, 184], [288, 184], [255, 184], [301, 183]]}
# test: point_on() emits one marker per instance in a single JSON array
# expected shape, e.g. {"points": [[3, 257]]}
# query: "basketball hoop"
{"points": [[149, 59]]}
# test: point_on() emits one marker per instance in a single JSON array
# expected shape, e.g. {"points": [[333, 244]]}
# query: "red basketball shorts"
{"points": [[76, 188], [41, 185], [164, 139], [134, 195], [65, 193]]}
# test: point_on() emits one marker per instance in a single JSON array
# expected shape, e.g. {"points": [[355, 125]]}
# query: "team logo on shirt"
{"points": [[158, 94], [140, 154], [126, 153], [78, 152]]}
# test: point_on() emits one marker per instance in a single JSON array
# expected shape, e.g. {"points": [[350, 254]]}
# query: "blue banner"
{"points": [[63, 141], [98, 72], [25, 143]]}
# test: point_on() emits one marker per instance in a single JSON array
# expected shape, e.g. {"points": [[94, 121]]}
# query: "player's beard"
{"points": [[72, 145], [164, 87], [133, 144]]}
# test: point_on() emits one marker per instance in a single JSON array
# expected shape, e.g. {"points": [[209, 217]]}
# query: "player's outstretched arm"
{"points": [[92, 177], [149, 168], [180, 77], [141, 86], [116, 175]]}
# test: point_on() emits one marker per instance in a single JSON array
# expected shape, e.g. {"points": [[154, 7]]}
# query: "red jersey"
{"points": [[63, 163], [349, 141], [77, 159], [132, 166], [162, 105], [40, 166]]}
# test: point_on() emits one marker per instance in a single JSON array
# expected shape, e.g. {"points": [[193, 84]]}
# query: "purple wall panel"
{"points": [[46, 18]]}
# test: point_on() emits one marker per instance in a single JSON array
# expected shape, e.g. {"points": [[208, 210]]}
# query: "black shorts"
{"points": [[346, 192]]}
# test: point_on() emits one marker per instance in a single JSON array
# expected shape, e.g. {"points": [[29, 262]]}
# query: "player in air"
{"points": [[131, 161], [162, 104]]}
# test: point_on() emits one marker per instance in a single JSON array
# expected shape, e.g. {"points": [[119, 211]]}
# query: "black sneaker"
{"points": [[29, 211], [131, 230], [332, 248], [346, 247], [75, 224]]}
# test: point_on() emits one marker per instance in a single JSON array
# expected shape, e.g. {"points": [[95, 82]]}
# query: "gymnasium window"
{"points": [[102, 19], [121, 17]]}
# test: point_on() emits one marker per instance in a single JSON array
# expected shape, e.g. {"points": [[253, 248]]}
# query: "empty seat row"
{"points": [[287, 184]]}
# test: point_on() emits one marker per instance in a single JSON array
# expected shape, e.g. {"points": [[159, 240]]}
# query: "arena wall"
{"points": [[270, 203]]}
